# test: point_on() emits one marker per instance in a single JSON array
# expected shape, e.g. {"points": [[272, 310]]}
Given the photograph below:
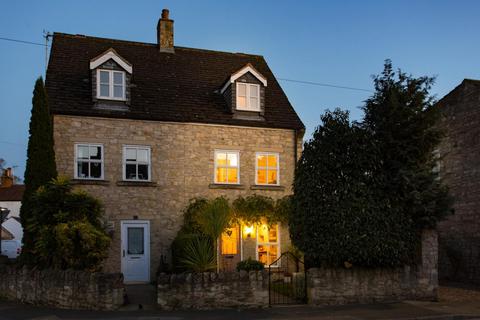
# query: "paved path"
{"points": [[403, 311]]}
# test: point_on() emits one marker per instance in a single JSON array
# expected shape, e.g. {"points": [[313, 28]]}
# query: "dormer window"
{"points": [[111, 79], [248, 96], [111, 84], [245, 91]]}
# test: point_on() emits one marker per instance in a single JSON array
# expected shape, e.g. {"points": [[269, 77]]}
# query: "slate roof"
{"points": [[13, 193], [179, 87]]}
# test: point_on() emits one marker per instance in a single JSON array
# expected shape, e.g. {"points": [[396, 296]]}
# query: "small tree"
{"points": [[68, 228], [214, 218], [40, 168]]}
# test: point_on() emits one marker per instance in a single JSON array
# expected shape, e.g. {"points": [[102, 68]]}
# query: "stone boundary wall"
{"points": [[213, 290], [62, 289], [363, 285], [325, 286]]}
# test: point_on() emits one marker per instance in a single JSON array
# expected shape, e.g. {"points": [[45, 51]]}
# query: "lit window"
{"points": [[111, 84], [136, 163], [248, 96], [227, 167], [267, 168], [88, 161], [268, 244]]}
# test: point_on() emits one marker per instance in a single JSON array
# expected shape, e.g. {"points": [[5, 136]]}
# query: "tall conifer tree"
{"points": [[40, 167]]}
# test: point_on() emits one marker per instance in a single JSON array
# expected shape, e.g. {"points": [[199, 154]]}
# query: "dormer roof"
{"points": [[237, 74], [110, 54]]}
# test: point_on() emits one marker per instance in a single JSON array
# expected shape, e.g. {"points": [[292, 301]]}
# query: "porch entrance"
{"points": [[287, 280]]}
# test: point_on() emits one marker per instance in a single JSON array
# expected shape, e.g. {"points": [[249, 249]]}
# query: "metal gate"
{"points": [[287, 280]]}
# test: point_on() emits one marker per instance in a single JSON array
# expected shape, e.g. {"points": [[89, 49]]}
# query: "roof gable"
{"points": [[107, 55], [247, 68]]}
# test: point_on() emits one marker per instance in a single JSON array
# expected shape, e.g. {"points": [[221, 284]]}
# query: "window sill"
{"points": [[226, 186], [111, 99], [123, 183], [267, 187], [91, 182]]}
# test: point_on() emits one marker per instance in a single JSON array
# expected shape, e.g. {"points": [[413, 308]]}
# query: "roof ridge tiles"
{"points": [[148, 44]]}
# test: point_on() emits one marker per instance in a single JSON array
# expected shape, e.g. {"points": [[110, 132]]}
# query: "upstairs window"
{"points": [[110, 84], [136, 163], [88, 161], [227, 167], [248, 96], [267, 168]]}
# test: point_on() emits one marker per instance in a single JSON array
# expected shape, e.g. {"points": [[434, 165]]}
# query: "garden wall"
{"points": [[62, 289], [325, 286], [362, 285], [213, 290]]}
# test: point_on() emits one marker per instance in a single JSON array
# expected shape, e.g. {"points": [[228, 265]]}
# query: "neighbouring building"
{"points": [[459, 234], [11, 198], [147, 127]]}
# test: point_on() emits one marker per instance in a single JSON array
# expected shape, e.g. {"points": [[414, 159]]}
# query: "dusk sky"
{"points": [[336, 42]]}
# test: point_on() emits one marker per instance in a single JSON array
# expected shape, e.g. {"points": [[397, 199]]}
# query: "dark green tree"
{"points": [[340, 215], [40, 167], [363, 191], [403, 121]]}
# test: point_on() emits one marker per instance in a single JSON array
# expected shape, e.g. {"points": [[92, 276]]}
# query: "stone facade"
{"points": [[459, 234], [213, 290], [182, 167], [366, 285], [62, 289]]}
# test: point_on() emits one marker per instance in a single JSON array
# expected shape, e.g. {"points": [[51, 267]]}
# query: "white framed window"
{"points": [[136, 163], [248, 96], [227, 167], [267, 168], [268, 244], [110, 84], [88, 161]]}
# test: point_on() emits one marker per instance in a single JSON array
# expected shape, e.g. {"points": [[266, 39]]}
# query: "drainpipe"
{"points": [[297, 133]]}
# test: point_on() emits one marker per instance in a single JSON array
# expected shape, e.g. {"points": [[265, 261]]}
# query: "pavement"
{"points": [[405, 310]]}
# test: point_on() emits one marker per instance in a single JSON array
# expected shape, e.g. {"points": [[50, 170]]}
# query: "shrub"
{"points": [[250, 265], [193, 253], [68, 228]]}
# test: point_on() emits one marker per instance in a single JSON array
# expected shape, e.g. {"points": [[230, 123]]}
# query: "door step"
{"points": [[140, 297]]}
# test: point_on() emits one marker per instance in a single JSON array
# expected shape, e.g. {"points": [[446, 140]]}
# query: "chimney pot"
{"points": [[165, 13]]}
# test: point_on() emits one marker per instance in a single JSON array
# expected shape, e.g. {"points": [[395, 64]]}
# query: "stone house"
{"points": [[459, 234], [147, 127]]}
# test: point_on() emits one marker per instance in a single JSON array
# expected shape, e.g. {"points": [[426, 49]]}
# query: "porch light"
{"points": [[248, 231]]}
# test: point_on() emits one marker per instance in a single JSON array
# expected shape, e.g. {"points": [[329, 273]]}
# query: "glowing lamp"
{"points": [[248, 231]]}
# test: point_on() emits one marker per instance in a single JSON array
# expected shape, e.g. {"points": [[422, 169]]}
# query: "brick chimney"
{"points": [[165, 33], [7, 178]]}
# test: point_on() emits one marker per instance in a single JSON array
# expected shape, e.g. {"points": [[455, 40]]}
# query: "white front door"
{"points": [[135, 250]]}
